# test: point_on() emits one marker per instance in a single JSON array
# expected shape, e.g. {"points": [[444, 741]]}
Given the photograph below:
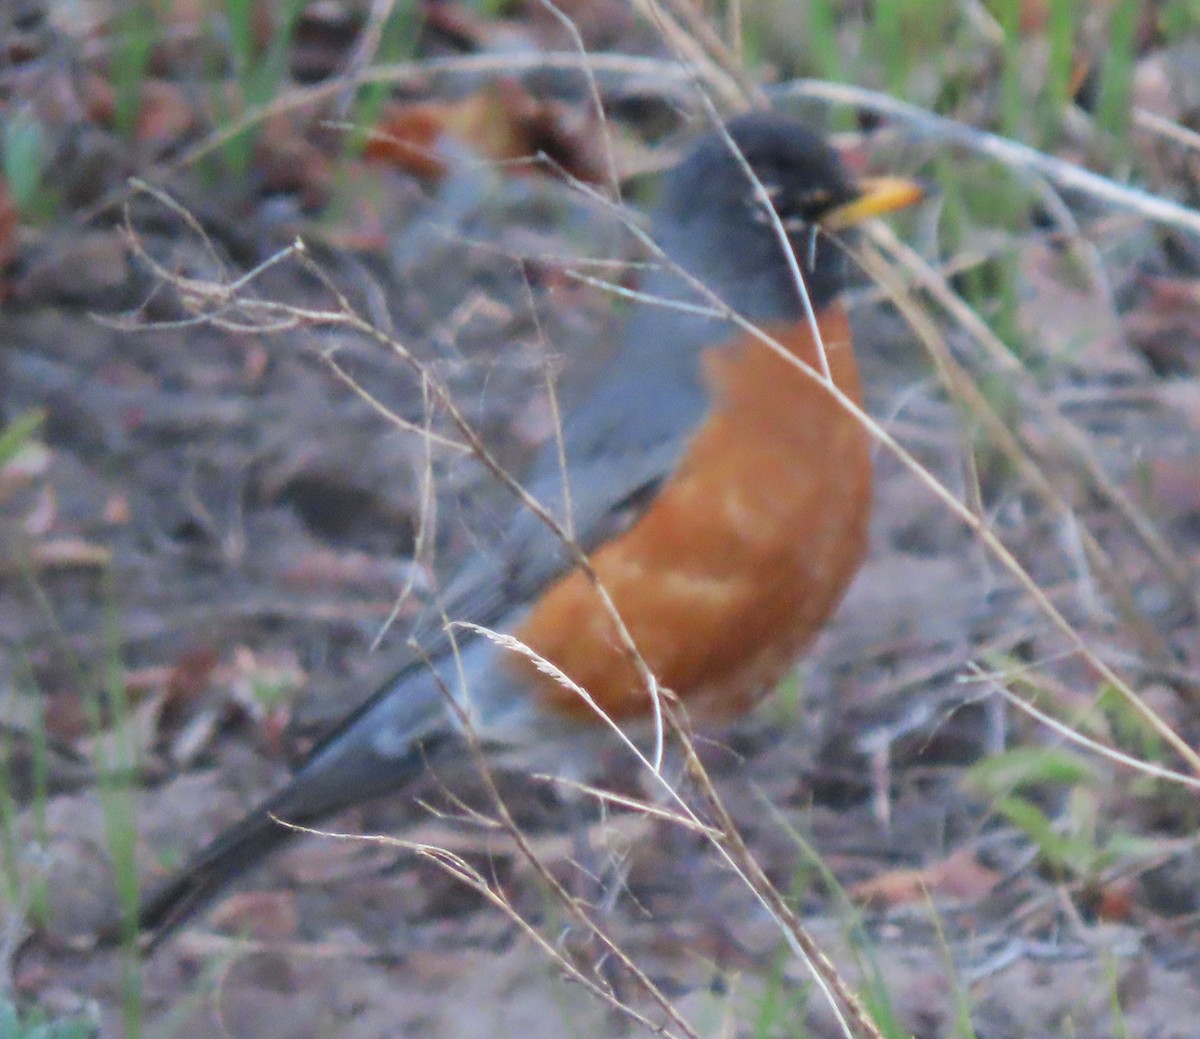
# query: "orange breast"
{"points": [[743, 555]]}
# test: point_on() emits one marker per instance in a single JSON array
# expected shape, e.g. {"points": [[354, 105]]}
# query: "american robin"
{"points": [[720, 493]]}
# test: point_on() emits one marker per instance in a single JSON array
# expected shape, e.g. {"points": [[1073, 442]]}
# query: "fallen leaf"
{"points": [[9, 220], [65, 553], [1165, 324], [166, 116], [502, 123], [263, 915], [1113, 901], [117, 510], [959, 877], [186, 683]]}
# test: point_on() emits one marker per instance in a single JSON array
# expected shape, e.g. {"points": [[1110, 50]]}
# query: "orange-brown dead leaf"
{"points": [[1173, 294], [407, 135], [502, 123], [1165, 323], [262, 915], [164, 119], [188, 680], [66, 553], [166, 116], [959, 877], [1113, 901], [117, 510], [8, 235], [458, 25]]}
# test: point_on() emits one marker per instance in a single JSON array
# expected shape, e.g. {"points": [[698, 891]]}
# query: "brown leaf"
{"points": [[8, 234], [166, 116], [407, 135], [458, 25], [959, 877], [66, 553], [502, 122], [187, 682], [1115, 900], [1165, 324], [263, 915], [117, 510]]}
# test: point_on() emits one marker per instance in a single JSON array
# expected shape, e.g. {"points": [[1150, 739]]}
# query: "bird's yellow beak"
{"points": [[877, 195]]}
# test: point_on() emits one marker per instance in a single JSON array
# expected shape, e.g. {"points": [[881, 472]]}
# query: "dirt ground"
{"points": [[210, 529]]}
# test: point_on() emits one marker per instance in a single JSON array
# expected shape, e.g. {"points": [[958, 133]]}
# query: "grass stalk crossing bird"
{"points": [[721, 496]]}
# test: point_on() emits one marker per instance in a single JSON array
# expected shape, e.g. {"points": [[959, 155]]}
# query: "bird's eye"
{"points": [[796, 211], [760, 212]]}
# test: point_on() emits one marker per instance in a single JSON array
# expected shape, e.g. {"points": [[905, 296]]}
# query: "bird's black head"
{"points": [[713, 222]]}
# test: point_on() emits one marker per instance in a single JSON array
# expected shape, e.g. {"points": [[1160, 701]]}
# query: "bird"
{"points": [[720, 495]]}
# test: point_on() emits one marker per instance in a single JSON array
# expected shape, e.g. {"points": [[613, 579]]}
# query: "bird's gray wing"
{"points": [[620, 448]]}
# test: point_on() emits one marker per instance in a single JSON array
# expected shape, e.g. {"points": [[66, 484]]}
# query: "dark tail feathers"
{"points": [[305, 801]]}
